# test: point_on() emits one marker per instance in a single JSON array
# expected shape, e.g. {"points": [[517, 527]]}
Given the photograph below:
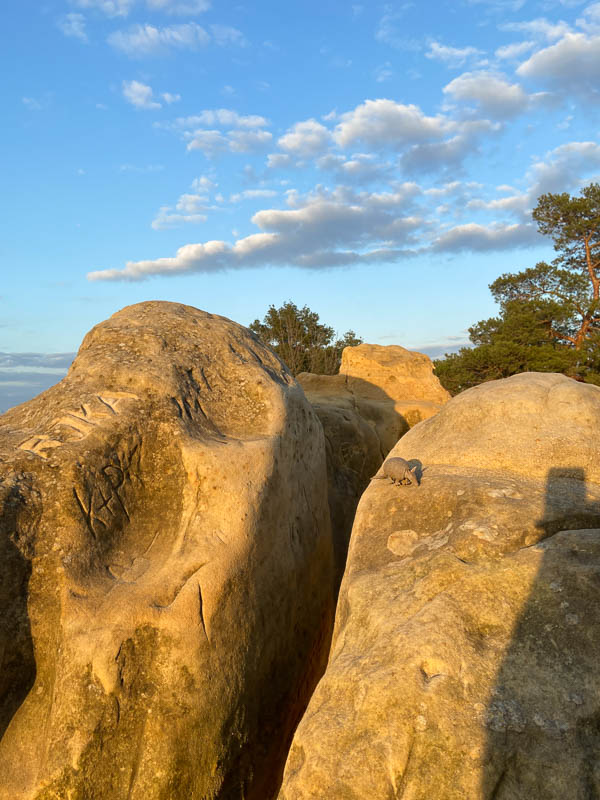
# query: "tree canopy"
{"points": [[302, 342], [549, 317]]}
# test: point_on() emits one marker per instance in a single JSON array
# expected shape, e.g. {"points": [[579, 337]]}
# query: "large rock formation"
{"points": [[165, 567], [379, 393], [465, 655]]}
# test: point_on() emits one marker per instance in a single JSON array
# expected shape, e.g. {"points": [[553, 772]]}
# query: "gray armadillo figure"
{"points": [[397, 469]]}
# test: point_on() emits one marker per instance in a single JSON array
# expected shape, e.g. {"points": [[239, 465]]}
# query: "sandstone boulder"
{"points": [[166, 566], [390, 375], [467, 634], [379, 393]]}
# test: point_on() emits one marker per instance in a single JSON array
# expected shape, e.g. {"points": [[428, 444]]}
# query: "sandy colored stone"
{"points": [[363, 414], [165, 566], [467, 634], [404, 375]]}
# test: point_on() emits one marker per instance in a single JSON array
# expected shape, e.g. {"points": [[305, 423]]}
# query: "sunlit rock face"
{"points": [[467, 635], [379, 393], [166, 566]]}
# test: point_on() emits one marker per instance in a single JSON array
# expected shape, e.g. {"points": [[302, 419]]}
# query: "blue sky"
{"points": [[377, 162]]}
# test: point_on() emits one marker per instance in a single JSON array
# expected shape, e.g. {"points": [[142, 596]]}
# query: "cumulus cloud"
{"points": [[252, 194], [590, 21], [447, 155], [112, 8], [73, 26], [213, 142], [121, 8], [279, 161], [201, 132], [565, 168], [515, 50], [186, 8], [494, 95], [210, 142], [540, 28], [571, 64], [486, 238], [383, 72], [452, 56], [224, 117], [140, 95], [167, 218], [322, 229], [249, 141], [306, 138], [146, 40], [170, 98], [385, 123], [224, 35], [191, 207]]}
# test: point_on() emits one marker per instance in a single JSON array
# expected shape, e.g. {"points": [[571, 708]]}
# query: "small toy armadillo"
{"points": [[398, 470]]}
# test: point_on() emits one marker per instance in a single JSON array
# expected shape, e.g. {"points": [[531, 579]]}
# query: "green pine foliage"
{"points": [[549, 318], [301, 341]]}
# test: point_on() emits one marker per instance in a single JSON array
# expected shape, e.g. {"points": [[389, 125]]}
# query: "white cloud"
{"points": [[590, 21], [210, 142], [186, 8], [146, 40], [166, 219], [213, 142], [203, 185], [383, 72], [220, 116], [139, 95], [390, 30], [359, 168], [511, 51], [565, 168], [452, 56], [306, 138], [170, 98], [249, 141], [33, 104], [73, 26], [385, 123], [252, 194], [112, 8], [428, 157], [225, 35], [539, 27], [122, 8], [278, 160], [323, 229], [572, 64], [492, 92], [485, 238]]}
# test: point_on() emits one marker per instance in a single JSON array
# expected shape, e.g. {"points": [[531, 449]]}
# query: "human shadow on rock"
{"points": [[17, 662], [543, 717]]}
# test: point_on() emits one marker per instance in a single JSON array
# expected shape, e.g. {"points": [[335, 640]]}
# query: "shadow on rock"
{"points": [[543, 717], [17, 662]]}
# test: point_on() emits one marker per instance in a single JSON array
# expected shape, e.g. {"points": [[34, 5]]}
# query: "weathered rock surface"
{"points": [[467, 634], [391, 375], [364, 413], [166, 567]]}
